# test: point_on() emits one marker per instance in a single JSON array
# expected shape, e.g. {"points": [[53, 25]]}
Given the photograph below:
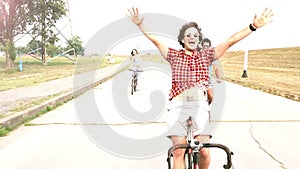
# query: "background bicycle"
{"points": [[134, 79]]}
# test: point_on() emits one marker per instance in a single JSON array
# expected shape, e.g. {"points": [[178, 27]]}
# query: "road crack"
{"points": [[92, 124], [264, 150]]}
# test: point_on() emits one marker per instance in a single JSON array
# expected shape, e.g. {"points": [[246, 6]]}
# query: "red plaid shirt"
{"points": [[189, 71]]}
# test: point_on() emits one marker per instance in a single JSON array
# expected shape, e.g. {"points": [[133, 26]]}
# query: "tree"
{"points": [[53, 50], [43, 18], [12, 22], [76, 43], [32, 46], [35, 17]]}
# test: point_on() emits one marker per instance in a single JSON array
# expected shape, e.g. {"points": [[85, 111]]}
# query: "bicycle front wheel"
{"points": [[189, 158]]}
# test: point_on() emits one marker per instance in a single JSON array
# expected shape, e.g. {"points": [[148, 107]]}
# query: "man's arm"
{"points": [[138, 20], [217, 72], [258, 22]]}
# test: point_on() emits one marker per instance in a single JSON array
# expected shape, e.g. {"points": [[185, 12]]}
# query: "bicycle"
{"points": [[192, 149], [134, 79]]}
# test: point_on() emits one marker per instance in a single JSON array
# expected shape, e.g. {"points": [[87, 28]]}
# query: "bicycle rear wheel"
{"points": [[132, 86], [135, 83]]}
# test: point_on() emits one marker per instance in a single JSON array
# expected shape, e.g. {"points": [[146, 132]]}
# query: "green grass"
{"points": [[26, 105], [4, 131], [34, 72]]}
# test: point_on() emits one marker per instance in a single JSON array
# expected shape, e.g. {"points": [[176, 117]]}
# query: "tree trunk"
{"points": [[9, 61], [10, 52]]}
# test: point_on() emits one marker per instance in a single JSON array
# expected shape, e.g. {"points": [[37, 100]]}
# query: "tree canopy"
{"points": [[35, 17]]}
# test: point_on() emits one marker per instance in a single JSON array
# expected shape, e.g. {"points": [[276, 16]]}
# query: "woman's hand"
{"points": [[263, 19], [134, 16]]}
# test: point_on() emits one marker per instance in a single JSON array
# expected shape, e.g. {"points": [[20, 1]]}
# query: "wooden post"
{"points": [[244, 75]]}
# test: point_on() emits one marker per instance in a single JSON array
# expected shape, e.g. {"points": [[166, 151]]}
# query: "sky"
{"points": [[218, 19]]}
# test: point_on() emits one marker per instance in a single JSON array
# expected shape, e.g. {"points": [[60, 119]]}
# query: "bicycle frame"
{"points": [[192, 149], [133, 83], [134, 79]]}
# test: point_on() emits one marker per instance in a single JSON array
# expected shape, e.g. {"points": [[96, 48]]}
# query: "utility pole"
{"points": [[44, 35]]}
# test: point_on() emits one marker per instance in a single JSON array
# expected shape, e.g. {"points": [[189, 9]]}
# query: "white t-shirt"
{"points": [[137, 61]]}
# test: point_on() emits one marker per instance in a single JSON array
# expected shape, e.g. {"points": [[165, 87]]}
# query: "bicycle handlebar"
{"points": [[226, 149], [204, 145], [135, 70]]}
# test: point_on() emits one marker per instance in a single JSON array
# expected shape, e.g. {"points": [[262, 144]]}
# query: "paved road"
{"points": [[261, 129]]}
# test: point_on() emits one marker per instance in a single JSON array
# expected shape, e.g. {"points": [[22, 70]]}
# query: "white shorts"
{"points": [[180, 110]]}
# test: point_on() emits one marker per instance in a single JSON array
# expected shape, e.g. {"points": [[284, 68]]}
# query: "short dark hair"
{"points": [[132, 51], [184, 28], [206, 40]]}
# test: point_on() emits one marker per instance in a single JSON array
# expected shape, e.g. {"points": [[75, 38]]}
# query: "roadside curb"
{"points": [[18, 118]]}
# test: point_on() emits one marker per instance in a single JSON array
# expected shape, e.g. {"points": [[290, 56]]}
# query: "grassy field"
{"points": [[275, 71], [34, 72]]}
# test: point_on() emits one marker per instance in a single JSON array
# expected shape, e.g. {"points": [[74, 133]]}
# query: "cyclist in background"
{"points": [[136, 62], [136, 59], [206, 44]]}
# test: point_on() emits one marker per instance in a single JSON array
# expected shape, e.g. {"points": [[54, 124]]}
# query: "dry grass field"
{"points": [[275, 71]]}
